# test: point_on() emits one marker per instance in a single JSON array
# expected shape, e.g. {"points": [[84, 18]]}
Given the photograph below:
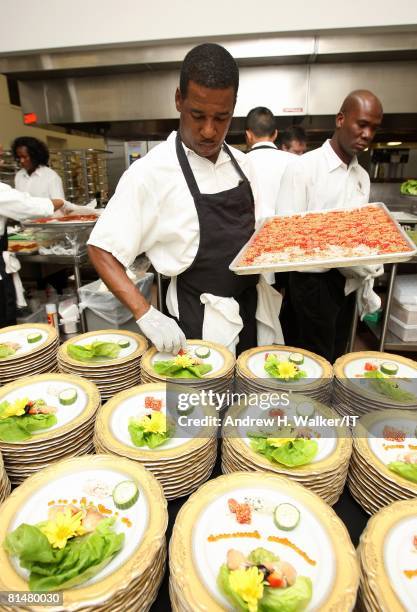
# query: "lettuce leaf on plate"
{"points": [[56, 569], [19, 428], [171, 370], [6, 351], [389, 387], [291, 453], [290, 599], [150, 430], [406, 470], [96, 351], [284, 370]]}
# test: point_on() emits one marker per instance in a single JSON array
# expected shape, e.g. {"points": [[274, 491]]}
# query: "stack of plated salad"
{"points": [[284, 368], [388, 559], [150, 425], [25, 349], [383, 465], [296, 440], [109, 358], [260, 542], [370, 380], [201, 365], [91, 528], [44, 419], [5, 486]]}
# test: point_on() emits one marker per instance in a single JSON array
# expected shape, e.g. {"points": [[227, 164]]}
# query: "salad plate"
{"points": [[30, 347], [142, 423], [371, 380], [287, 368], [260, 540], [45, 418], [388, 558], [300, 448], [383, 468], [111, 358], [85, 495]]}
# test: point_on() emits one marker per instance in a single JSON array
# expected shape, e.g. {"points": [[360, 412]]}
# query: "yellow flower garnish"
{"points": [[248, 584], [156, 424], [184, 361], [63, 526], [16, 408], [279, 441], [287, 370]]}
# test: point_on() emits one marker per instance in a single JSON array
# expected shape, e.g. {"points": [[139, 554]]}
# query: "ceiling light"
{"points": [[394, 143]]}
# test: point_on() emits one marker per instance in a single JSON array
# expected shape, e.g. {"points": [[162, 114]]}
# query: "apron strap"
{"points": [[188, 173]]}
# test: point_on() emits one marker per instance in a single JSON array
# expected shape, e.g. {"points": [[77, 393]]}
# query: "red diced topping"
{"points": [[243, 512], [153, 403], [393, 435], [370, 367]]}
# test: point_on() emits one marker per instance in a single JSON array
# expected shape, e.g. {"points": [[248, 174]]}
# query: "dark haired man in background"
{"points": [[293, 140], [267, 161], [188, 204], [35, 177]]}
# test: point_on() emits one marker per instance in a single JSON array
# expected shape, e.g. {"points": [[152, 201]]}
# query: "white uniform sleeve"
{"points": [[55, 187], [293, 192], [21, 206], [129, 224]]}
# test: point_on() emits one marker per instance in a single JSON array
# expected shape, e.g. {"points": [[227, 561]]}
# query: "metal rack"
{"points": [[8, 168], [83, 172]]}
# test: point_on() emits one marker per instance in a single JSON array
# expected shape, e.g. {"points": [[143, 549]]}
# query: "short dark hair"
{"points": [[294, 132], [211, 66], [261, 122], [38, 151]]}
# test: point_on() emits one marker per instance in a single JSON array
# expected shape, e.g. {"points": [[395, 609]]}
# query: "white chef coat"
{"points": [[42, 183], [268, 168], [153, 212], [320, 180], [21, 206]]}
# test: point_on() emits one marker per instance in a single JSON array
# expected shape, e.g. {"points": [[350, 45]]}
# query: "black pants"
{"points": [[316, 314], [7, 300]]}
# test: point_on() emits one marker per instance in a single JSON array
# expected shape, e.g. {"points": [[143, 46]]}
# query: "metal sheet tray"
{"points": [[61, 226], [300, 266]]}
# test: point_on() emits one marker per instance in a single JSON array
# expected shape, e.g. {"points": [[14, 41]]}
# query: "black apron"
{"points": [[227, 221], [7, 291]]}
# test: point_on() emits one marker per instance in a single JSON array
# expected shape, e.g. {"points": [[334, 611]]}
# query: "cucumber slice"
{"points": [[124, 343], [185, 411], [67, 397], [34, 337], [296, 358], [202, 352], [388, 367], [125, 494], [305, 409], [286, 517]]}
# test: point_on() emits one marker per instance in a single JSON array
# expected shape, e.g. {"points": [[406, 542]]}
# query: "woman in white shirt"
{"points": [[19, 207], [35, 177]]}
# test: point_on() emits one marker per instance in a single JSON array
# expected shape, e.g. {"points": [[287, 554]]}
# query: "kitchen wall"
{"points": [[55, 24], [11, 126]]}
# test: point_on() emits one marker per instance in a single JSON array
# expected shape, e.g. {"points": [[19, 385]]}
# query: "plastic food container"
{"points": [[405, 332]]}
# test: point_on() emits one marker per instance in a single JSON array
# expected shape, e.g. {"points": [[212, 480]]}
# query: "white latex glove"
{"points": [[162, 331]]}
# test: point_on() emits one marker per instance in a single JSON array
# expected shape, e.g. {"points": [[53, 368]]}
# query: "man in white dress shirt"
{"points": [[267, 161], [187, 204], [328, 177], [35, 177]]}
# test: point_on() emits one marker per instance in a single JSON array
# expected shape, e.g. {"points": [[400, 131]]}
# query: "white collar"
{"points": [[264, 143], [36, 172], [222, 158], [334, 160]]}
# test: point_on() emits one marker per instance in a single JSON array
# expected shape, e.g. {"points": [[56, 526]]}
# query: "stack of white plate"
{"points": [[252, 377], [5, 486], [356, 394], [183, 462], [218, 380], [325, 474], [110, 375], [35, 346], [131, 579], [317, 544], [388, 559], [384, 449], [72, 435]]}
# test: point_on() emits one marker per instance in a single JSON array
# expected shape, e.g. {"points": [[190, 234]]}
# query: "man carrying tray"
{"points": [[328, 177], [188, 204]]}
